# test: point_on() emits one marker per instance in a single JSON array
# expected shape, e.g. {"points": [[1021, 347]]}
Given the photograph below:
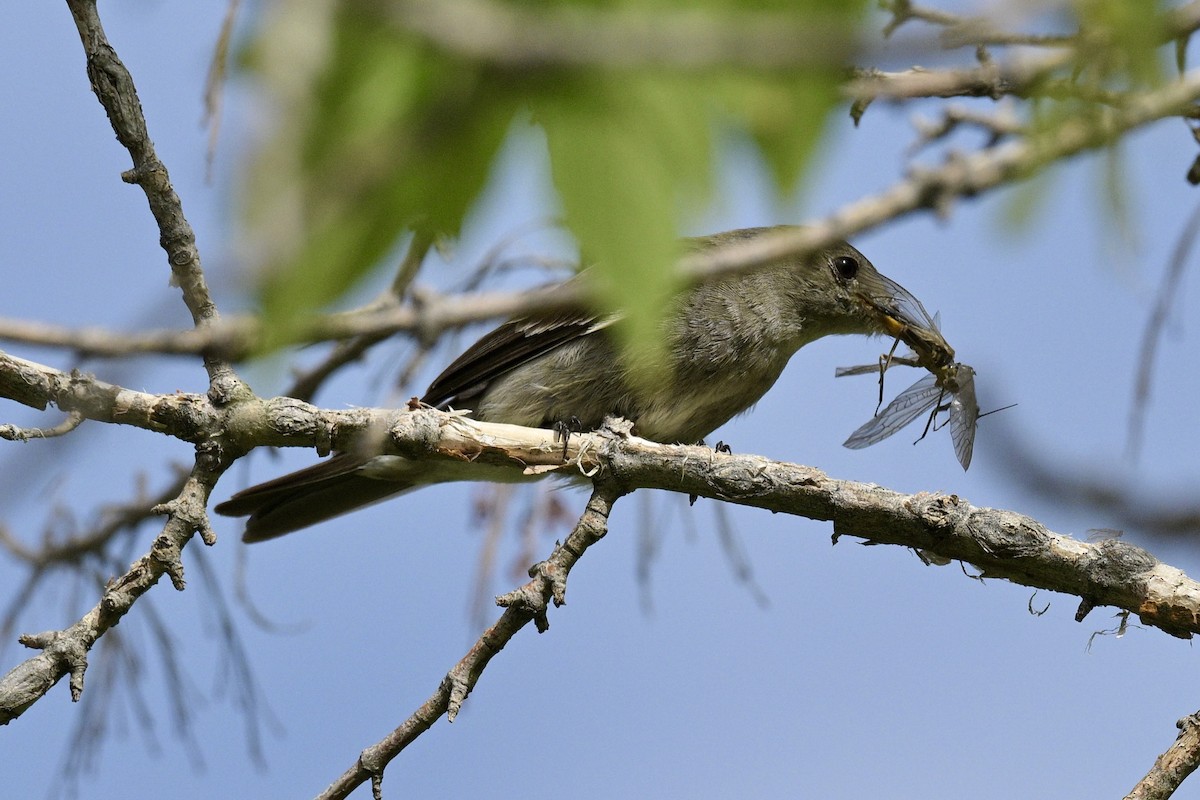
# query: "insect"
{"points": [[956, 382], [949, 386]]}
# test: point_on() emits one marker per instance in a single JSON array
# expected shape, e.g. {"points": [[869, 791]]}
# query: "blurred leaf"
{"points": [[396, 136], [1126, 36], [381, 130], [1027, 200], [785, 118], [625, 155], [1114, 195]]}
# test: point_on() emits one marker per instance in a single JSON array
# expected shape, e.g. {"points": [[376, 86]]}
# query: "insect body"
{"points": [[949, 386]]}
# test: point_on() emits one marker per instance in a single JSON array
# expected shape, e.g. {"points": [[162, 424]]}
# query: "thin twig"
{"points": [[524, 605], [15, 434], [114, 87], [1168, 290], [305, 386], [926, 189], [214, 83]]}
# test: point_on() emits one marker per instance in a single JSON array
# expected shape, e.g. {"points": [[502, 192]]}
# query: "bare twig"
{"points": [[238, 337], [218, 69], [903, 11], [932, 189], [998, 126], [15, 434], [70, 550], [524, 605], [1120, 505], [114, 87], [960, 31], [1172, 767], [65, 652], [1152, 335], [307, 383]]}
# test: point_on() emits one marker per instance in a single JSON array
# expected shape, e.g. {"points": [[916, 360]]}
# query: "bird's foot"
{"points": [[563, 430], [719, 447]]}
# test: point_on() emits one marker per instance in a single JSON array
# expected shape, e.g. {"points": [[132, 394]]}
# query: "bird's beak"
{"points": [[902, 316]]}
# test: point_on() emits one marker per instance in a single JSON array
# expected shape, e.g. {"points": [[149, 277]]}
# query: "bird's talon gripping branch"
{"points": [[563, 430]]}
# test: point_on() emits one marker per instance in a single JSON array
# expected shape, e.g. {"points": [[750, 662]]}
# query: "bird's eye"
{"points": [[846, 267]]}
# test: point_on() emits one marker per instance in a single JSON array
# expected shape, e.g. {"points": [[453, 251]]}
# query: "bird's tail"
{"points": [[308, 496]]}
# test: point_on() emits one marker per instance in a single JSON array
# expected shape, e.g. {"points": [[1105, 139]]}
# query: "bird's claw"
{"points": [[563, 430]]}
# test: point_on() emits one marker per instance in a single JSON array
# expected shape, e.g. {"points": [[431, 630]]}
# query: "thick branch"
{"points": [[1000, 543], [1003, 544], [235, 427]]}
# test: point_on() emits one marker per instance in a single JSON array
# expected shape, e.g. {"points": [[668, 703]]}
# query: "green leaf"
{"points": [[626, 155], [1125, 37], [382, 130], [394, 136], [785, 117]]}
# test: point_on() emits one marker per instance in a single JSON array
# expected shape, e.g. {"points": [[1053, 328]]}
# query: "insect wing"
{"points": [[964, 413], [903, 304], [905, 359], [908, 405], [861, 369]]}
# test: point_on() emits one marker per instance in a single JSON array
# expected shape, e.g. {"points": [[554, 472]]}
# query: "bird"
{"points": [[726, 342]]}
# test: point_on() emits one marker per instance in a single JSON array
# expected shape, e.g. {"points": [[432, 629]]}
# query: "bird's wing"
{"points": [[519, 341], [515, 342]]}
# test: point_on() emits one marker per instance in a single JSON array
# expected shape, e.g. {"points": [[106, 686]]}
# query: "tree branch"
{"points": [[306, 384], [114, 87], [1172, 767], [924, 189], [509, 36], [65, 652], [1022, 77], [521, 606], [1000, 543]]}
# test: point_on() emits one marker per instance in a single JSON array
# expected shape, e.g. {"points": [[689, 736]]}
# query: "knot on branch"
{"points": [[1114, 563], [548, 581], [68, 653], [166, 554], [420, 428]]}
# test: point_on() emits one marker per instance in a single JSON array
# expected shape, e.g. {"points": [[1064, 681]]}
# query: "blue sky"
{"points": [[867, 674]]}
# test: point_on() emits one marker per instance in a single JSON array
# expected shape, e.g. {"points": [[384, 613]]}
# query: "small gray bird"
{"points": [[727, 341]]}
